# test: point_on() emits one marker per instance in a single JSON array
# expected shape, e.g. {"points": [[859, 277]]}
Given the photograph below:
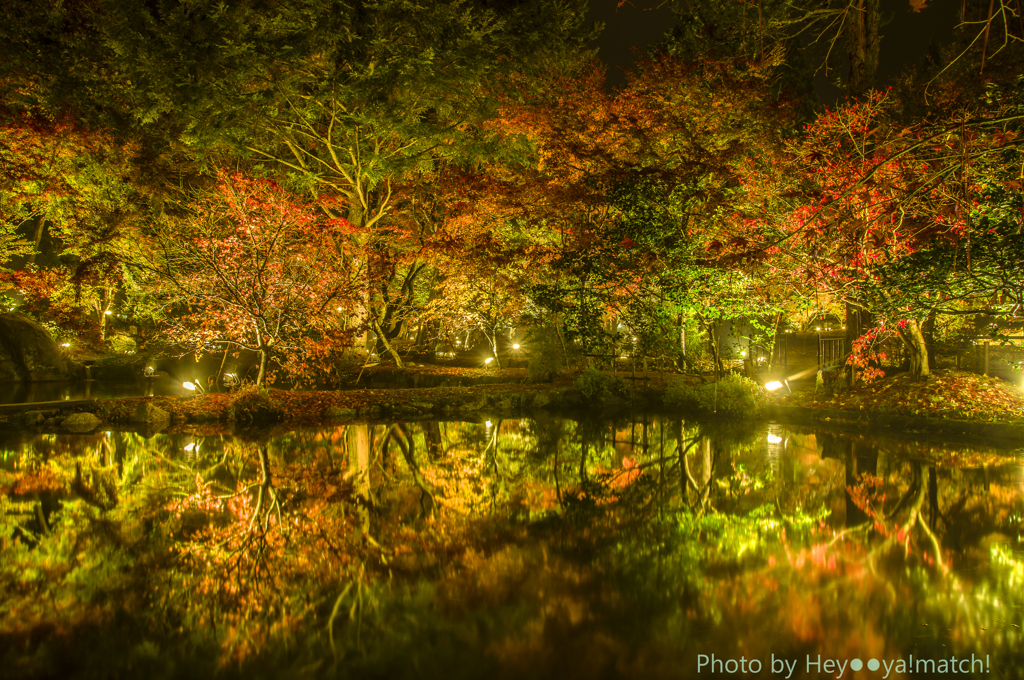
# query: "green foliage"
{"points": [[733, 396], [547, 358], [596, 385], [252, 404]]}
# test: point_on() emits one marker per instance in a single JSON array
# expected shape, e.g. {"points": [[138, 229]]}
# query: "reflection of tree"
{"points": [[400, 434]]}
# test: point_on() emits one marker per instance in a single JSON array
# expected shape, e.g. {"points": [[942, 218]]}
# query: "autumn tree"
{"points": [[628, 189], [254, 268]]}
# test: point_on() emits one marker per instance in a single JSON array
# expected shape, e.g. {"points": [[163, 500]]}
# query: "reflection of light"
{"points": [[515, 346], [107, 313], [189, 386], [488, 360], [773, 385], [488, 423], [65, 344], [743, 353], [149, 372], [191, 446], [818, 328], [774, 439]]}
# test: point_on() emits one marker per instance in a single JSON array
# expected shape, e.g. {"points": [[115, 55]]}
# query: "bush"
{"points": [[595, 385], [735, 395], [253, 404], [547, 358], [124, 367], [121, 343]]}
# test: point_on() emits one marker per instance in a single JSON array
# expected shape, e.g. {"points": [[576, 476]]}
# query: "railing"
{"points": [[831, 351], [779, 354]]}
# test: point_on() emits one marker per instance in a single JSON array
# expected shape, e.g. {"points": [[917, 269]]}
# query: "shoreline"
{"points": [[303, 409]]}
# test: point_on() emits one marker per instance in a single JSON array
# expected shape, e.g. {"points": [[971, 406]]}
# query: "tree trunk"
{"points": [[264, 360], [382, 340], [863, 40], [492, 340], [37, 240], [928, 331], [913, 339]]}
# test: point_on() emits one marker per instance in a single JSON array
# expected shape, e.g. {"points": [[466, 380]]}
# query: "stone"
{"points": [[33, 418], [27, 352], [148, 414], [81, 422], [476, 403], [540, 400], [338, 413]]}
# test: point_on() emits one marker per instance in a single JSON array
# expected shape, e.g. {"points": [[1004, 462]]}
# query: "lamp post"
{"points": [[149, 372]]}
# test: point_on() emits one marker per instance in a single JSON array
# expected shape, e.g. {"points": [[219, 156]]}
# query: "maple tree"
{"points": [[892, 205], [627, 191], [251, 267]]}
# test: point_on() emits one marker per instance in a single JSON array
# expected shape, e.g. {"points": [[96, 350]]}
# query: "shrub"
{"points": [[595, 385], [124, 367], [547, 358], [735, 395], [121, 343], [253, 404]]}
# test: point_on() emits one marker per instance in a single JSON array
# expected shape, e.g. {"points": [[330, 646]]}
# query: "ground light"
{"points": [[194, 387], [775, 385]]}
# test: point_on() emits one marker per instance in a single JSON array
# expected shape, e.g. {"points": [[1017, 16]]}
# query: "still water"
{"points": [[540, 548], [70, 390]]}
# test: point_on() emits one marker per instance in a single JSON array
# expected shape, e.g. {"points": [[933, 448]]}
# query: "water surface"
{"points": [[643, 548]]}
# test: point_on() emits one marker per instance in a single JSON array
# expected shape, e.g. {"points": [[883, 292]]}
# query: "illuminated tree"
{"points": [[253, 268]]}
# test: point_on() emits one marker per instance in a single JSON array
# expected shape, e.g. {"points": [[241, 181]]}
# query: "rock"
{"points": [[33, 418], [424, 406], [80, 422], [507, 403], [540, 400], [148, 414], [338, 413], [27, 352], [373, 411], [476, 403]]}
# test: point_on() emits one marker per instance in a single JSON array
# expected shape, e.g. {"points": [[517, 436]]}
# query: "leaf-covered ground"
{"points": [[945, 394], [506, 374]]}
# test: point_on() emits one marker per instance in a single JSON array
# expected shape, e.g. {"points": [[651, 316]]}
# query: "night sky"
{"points": [[906, 37]]}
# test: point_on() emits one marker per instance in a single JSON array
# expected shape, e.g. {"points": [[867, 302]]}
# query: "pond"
{"points": [[541, 548], [71, 390]]}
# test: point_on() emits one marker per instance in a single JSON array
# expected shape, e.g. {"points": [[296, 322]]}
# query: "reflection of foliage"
{"points": [[320, 547]]}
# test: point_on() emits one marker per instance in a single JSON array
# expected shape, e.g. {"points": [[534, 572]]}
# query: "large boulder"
{"points": [[81, 423], [150, 415], [27, 352]]}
